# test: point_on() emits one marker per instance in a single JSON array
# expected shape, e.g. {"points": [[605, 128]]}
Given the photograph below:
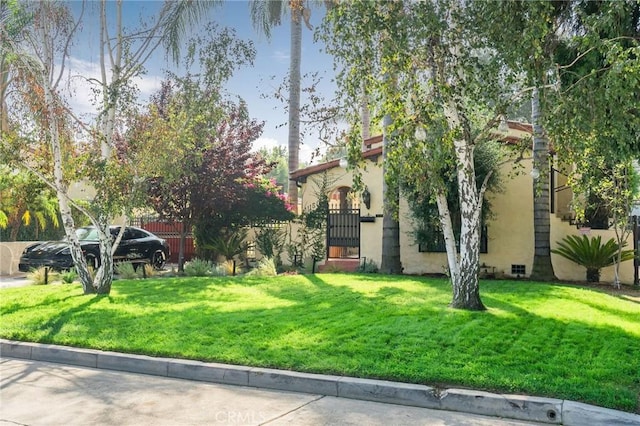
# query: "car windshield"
{"points": [[87, 234]]}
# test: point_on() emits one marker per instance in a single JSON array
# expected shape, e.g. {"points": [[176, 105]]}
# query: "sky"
{"points": [[253, 84]]}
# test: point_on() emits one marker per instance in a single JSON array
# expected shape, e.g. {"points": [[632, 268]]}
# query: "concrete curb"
{"points": [[520, 407]]}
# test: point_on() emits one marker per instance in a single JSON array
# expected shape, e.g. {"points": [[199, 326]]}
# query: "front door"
{"points": [[343, 233]]}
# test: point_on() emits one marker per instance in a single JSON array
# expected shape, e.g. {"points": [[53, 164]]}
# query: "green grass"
{"points": [[548, 340]]}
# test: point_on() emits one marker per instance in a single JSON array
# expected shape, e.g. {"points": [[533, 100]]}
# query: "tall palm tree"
{"points": [[266, 14], [554, 16], [542, 267]]}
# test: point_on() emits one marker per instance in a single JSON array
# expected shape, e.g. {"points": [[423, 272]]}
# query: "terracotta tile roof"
{"points": [[317, 168], [373, 153]]}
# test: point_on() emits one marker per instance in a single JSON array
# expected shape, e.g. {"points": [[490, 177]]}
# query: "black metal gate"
{"points": [[343, 233]]}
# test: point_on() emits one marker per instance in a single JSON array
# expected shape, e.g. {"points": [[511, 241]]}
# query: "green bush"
{"points": [[126, 271], [270, 242], [266, 267], [222, 269], [69, 276], [229, 243], [368, 267], [591, 253], [198, 268], [37, 276]]}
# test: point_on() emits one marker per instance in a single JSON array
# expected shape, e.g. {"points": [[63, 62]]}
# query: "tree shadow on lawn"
{"points": [[544, 293], [49, 300], [154, 290], [539, 356], [53, 326], [334, 329]]}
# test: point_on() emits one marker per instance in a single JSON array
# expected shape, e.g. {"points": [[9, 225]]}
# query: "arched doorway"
{"points": [[343, 225]]}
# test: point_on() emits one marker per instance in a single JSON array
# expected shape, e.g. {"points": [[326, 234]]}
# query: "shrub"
{"points": [[368, 267], [266, 267], [126, 271], [229, 244], [69, 276], [149, 270], [591, 253], [270, 242], [332, 268], [37, 276], [221, 269], [198, 268]]}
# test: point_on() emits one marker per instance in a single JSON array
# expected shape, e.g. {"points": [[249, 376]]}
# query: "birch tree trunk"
{"points": [[365, 118], [542, 267], [466, 287], [4, 83], [449, 236], [50, 122]]}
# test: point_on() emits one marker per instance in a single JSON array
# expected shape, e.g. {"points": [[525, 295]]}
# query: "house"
{"points": [[354, 231]]}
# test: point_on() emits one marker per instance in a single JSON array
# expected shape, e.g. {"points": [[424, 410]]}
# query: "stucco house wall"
{"points": [[510, 230]]}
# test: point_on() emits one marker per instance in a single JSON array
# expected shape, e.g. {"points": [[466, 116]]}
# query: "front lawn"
{"points": [[548, 340]]}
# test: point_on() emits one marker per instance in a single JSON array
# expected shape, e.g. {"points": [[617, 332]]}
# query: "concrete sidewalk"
{"points": [[41, 393], [311, 388]]}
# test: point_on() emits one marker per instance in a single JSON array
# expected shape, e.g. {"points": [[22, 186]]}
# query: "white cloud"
{"points": [[281, 56], [267, 143], [148, 85], [306, 151], [83, 77]]}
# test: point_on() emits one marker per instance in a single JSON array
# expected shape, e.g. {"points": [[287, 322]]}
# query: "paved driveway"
{"points": [[17, 280]]}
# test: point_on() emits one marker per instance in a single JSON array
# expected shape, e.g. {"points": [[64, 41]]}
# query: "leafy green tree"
{"points": [[424, 68], [25, 199], [276, 157], [595, 120], [193, 144], [538, 25], [40, 58]]}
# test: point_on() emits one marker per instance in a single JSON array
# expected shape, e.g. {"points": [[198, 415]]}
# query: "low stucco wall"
{"points": [[10, 256]]}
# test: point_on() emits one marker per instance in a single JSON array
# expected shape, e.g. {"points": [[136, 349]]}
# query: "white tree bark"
{"points": [[449, 237], [466, 288], [45, 74], [365, 118]]}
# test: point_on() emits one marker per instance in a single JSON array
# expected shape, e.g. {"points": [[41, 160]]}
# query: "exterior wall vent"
{"points": [[518, 270]]}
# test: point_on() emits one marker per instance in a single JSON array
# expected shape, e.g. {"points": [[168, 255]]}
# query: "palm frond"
{"points": [[4, 220], [180, 16], [266, 14], [26, 218], [590, 252], [229, 245]]}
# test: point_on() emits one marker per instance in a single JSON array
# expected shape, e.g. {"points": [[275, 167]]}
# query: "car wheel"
{"points": [[92, 261], [158, 260]]}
